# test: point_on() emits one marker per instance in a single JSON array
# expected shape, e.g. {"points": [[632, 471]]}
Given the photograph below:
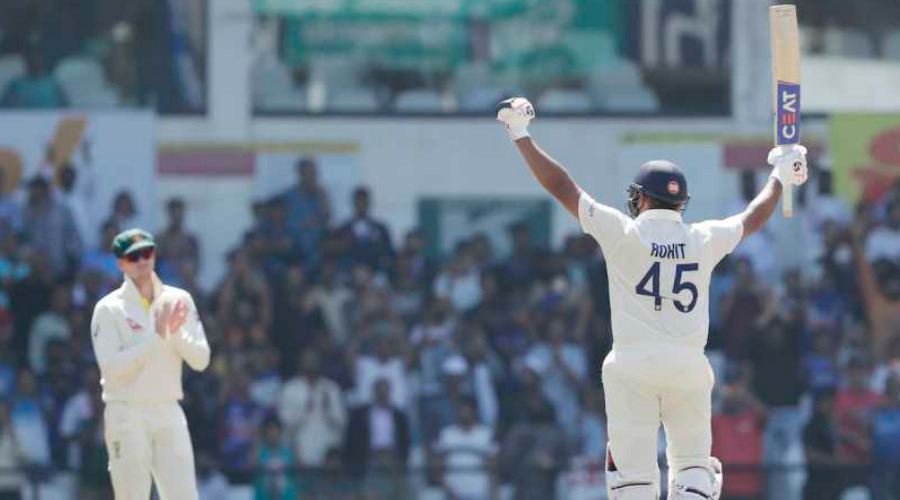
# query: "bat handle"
{"points": [[787, 201]]}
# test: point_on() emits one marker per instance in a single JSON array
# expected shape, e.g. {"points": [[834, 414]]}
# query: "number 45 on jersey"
{"points": [[649, 286]]}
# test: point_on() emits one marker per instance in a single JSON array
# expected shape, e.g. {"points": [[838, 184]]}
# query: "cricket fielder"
{"points": [[142, 332], [659, 270]]}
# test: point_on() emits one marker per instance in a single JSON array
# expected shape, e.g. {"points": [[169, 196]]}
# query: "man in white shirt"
{"points": [[659, 271], [467, 450], [142, 333]]}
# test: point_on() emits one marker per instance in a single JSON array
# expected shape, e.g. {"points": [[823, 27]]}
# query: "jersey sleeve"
{"points": [[606, 224], [723, 235], [116, 361]]}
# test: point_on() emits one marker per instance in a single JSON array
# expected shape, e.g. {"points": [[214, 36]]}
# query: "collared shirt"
{"points": [[137, 365], [659, 270]]}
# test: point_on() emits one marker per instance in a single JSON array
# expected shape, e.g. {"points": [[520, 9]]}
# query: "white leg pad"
{"points": [[697, 483], [620, 489]]}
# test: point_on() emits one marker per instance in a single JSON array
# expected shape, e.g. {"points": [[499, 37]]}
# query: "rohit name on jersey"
{"points": [[667, 250]]}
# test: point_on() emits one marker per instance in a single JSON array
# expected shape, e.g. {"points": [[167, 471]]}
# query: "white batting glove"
{"points": [[516, 113], [789, 165]]}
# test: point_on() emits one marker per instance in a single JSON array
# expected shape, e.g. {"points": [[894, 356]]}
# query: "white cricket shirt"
{"points": [[659, 270], [136, 365]]}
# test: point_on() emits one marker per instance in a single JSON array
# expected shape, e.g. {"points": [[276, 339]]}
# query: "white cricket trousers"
{"points": [[645, 385], [149, 439]]}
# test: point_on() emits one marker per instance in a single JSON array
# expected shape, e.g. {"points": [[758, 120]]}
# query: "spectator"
{"points": [[378, 442], [274, 462], [467, 452], [29, 421], [534, 452], [308, 207], [179, 249], [49, 226], [854, 406], [12, 456], [101, 259], [740, 308], [484, 369], [562, 368], [332, 298], [124, 211], [10, 205], [8, 360], [819, 365], [36, 88], [368, 240], [81, 428], [884, 241], [880, 296], [50, 325], [238, 419], [438, 410], [592, 427], [520, 268], [385, 364], [312, 409], [886, 442], [421, 266], [280, 246], [408, 297], [459, 282], [820, 440], [738, 436], [76, 202], [244, 296], [265, 383]]}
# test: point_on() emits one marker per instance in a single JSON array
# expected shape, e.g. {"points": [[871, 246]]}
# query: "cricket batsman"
{"points": [[659, 270], [142, 332]]}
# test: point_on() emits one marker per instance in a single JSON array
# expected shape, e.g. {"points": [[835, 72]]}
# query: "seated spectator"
{"points": [[438, 410], [176, 245], [308, 207], [50, 325], [274, 462], [378, 442], [820, 440], [368, 240], [467, 452], [459, 281], [36, 88], [886, 442], [312, 410], [484, 371], [408, 294], [738, 436]]}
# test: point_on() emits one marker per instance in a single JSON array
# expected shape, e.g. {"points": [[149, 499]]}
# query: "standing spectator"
{"points": [[50, 325], [332, 298], [421, 266], [884, 241], [29, 421], [886, 442], [244, 296], [819, 365], [740, 308], [49, 225], [378, 442], [12, 456], [368, 240], [520, 268], [308, 207], [30, 295], [820, 440], [854, 406], [880, 295], [101, 259], [459, 282], [535, 452], [36, 88], [467, 453], [76, 202], [179, 249], [592, 427], [81, 427], [312, 409], [274, 463]]}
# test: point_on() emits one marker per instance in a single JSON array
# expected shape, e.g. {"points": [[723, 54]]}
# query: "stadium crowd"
{"points": [[347, 366]]}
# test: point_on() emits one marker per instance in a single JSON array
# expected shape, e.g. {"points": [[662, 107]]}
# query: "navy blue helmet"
{"points": [[662, 181]]}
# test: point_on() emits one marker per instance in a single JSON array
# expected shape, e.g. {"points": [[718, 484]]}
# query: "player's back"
{"points": [[659, 270]]}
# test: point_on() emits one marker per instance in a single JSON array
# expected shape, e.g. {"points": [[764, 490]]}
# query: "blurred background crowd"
{"points": [[356, 358]]}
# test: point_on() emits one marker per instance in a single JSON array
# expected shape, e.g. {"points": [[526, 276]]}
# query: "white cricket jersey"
{"points": [[659, 270], [136, 365]]}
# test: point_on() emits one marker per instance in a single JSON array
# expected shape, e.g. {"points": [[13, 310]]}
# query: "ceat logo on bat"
{"points": [[788, 119]]}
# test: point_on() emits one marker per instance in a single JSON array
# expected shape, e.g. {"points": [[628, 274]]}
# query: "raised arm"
{"points": [[788, 169], [516, 113]]}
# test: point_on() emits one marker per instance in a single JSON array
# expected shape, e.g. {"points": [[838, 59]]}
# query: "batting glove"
{"points": [[789, 165], [516, 113]]}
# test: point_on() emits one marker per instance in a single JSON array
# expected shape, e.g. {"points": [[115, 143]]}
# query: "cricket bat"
{"points": [[785, 84]]}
